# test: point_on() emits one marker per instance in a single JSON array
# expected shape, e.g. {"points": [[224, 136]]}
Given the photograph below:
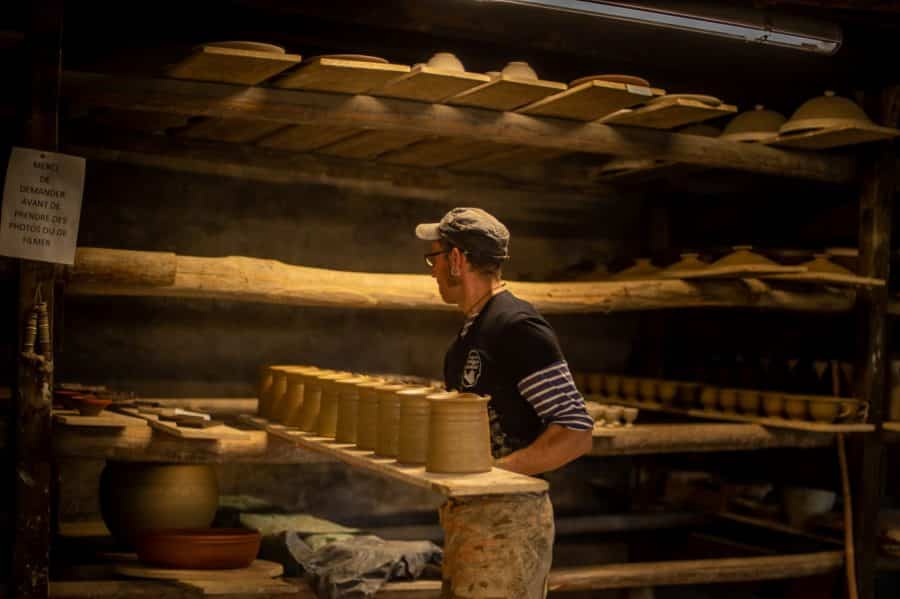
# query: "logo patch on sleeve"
{"points": [[472, 370]]}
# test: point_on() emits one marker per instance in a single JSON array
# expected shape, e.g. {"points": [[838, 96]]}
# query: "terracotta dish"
{"points": [[89, 405], [626, 79], [754, 125], [251, 46], [356, 57], [708, 100], [199, 548], [826, 111]]}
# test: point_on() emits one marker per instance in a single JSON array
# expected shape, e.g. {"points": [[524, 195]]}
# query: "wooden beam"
{"points": [[684, 572], [268, 165], [366, 112], [34, 469], [875, 208], [238, 278]]}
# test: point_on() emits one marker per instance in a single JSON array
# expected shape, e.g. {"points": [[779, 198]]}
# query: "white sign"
{"points": [[41, 206]]}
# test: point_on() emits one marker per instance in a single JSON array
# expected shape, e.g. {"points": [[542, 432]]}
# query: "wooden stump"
{"points": [[497, 547]]}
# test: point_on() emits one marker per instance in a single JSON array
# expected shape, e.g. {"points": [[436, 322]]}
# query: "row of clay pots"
{"points": [[752, 402], [446, 431]]}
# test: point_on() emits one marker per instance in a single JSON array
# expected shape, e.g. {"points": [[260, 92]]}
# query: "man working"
{"points": [[505, 348]]}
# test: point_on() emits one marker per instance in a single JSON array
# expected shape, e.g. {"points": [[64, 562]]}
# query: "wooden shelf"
{"points": [[669, 114], [698, 437], [294, 107], [341, 76], [811, 427], [231, 65], [506, 93], [591, 100], [105, 419], [495, 482]]}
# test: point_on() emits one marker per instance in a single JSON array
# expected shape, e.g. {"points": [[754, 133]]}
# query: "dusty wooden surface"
{"points": [[252, 279], [386, 114], [699, 437]]}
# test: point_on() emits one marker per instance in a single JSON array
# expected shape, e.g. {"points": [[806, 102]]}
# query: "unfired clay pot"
{"points": [[773, 404], [289, 413], [459, 438], [367, 414], [347, 415], [279, 388], [387, 435], [138, 496], [748, 401], [326, 423], [312, 400], [412, 442], [264, 390]]}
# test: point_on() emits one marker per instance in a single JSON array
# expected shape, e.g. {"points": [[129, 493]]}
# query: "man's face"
{"points": [[448, 285]]}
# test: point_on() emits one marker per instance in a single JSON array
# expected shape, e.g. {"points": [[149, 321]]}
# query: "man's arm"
{"points": [[555, 447]]}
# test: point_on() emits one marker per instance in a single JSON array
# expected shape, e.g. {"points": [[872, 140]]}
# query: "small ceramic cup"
{"points": [[630, 415], [728, 400], [629, 387], [748, 401], [709, 398], [796, 407], [614, 415], [773, 404]]}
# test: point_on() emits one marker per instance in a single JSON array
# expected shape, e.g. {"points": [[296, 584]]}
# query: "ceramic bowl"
{"points": [[709, 398], [748, 401], [613, 415], [519, 70], [89, 405], [826, 111], [647, 389], [630, 387], [773, 404], [445, 61], [754, 125], [667, 391], [728, 400], [796, 407], [630, 415], [613, 385], [199, 548]]}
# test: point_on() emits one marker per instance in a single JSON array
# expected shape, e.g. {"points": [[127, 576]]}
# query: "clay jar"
{"points": [[326, 423], [289, 412], [136, 496], [312, 400], [387, 434], [367, 414], [265, 391], [347, 414], [412, 441], [278, 391], [459, 438]]}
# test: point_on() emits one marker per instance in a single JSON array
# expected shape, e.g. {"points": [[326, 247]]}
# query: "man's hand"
{"points": [[557, 446]]}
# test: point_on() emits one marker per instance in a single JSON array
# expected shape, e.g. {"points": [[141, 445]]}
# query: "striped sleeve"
{"points": [[552, 393]]}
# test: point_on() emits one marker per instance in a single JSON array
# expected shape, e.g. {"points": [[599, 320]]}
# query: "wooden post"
{"points": [[33, 456], [497, 546], [875, 207]]}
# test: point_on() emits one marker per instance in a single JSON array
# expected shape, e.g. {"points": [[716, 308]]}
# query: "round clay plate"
{"points": [[356, 57], [626, 79], [252, 46], [708, 100]]}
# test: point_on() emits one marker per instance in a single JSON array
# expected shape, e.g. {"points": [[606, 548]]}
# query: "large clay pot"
{"points": [[367, 413], [326, 423], [293, 397], [459, 438], [278, 391], [263, 390], [138, 496], [312, 401], [387, 434], [348, 409], [412, 441]]}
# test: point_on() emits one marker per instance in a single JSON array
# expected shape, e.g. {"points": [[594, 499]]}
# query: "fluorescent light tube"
{"points": [[757, 28]]}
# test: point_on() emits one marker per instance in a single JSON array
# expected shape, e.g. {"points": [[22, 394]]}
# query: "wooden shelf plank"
{"points": [[292, 107], [698, 437], [439, 152], [105, 419], [834, 137], [371, 144], [827, 278], [506, 93], [230, 130], [812, 427], [495, 482], [231, 65], [427, 84], [670, 114], [213, 433], [591, 100], [305, 138], [894, 427], [339, 75]]}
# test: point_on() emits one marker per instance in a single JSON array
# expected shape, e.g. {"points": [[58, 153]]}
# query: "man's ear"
{"points": [[456, 259]]}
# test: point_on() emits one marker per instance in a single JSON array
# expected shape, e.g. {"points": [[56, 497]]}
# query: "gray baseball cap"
{"points": [[470, 229]]}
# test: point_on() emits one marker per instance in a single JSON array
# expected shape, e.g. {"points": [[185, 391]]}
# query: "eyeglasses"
{"points": [[429, 258]]}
